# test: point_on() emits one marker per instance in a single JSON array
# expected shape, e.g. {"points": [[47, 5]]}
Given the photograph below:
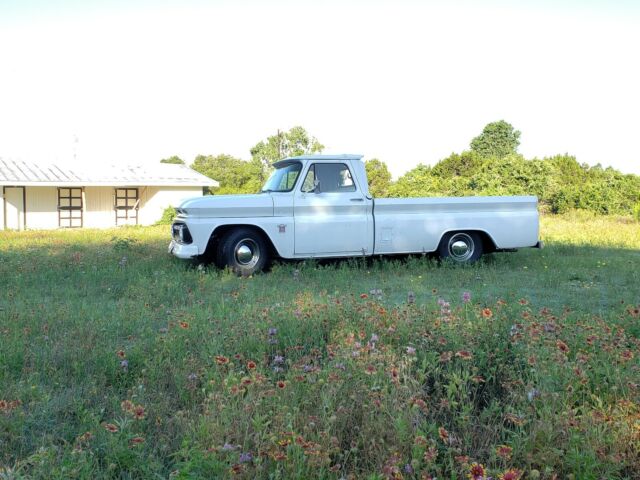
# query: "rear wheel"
{"points": [[461, 247], [244, 251]]}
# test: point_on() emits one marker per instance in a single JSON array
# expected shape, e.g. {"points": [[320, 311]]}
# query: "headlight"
{"points": [[180, 233]]}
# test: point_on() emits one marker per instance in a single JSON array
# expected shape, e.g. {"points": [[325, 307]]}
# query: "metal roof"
{"points": [[20, 173]]}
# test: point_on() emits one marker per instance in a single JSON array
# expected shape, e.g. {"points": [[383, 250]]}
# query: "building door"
{"points": [[126, 206], [14, 212], [70, 207]]}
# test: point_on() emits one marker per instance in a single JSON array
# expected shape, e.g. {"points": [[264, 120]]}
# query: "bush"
{"points": [[636, 212], [168, 215]]}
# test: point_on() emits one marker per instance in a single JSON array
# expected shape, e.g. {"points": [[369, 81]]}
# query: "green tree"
{"points": [[174, 159], [379, 177], [282, 145], [233, 174], [498, 139]]}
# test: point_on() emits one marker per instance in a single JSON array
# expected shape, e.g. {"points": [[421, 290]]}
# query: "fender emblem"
{"points": [[282, 228]]}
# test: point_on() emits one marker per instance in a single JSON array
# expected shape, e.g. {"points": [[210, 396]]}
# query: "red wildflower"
{"points": [[220, 360], [127, 406], [281, 385], [138, 412], [184, 325], [523, 301], [444, 435], [476, 471], [511, 474], [563, 347], [121, 354], [464, 355], [110, 427], [626, 355], [364, 295], [251, 365], [369, 369], [246, 381], [487, 313], [504, 452], [136, 441], [478, 379]]}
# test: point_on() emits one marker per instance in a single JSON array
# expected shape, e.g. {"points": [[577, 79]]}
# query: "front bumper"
{"points": [[183, 251]]}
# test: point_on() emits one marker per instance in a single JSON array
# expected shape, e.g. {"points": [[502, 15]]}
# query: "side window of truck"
{"points": [[331, 177]]}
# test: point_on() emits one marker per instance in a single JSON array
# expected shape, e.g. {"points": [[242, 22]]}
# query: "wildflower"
{"points": [[533, 394], [251, 365], [124, 364], [443, 434], [369, 369], [227, 447], [563, 347], [523, 301], [466, 297], [272, 331], [121, 354], [626, 355], [127, 406], [504, 452], [487, 313], [445, 356], [511, 474], [476, 472], [464, 355], [374, 338], [136, 441], [281, 385], [110, 427], [138, 412], [478, 379], [278, 359], [408, 469], [364, 295], [411, 351], [184, 325], [434, 291], [411, 298], [245, 457], [220, 360], [192, 377], [237, 469]]}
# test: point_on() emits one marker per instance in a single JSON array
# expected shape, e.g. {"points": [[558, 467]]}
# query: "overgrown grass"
{"points": [[118, 361]]}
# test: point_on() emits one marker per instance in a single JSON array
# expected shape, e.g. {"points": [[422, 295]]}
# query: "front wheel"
{"points": [[461, 247], [244, 251]]}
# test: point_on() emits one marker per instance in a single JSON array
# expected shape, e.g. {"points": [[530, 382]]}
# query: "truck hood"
{"points": [[228, 206]]}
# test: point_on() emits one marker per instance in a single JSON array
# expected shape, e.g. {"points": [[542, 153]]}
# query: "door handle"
{"points": [[357, 199]]}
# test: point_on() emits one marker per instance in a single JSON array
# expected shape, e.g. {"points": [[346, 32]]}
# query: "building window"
{"points": [[70, 207], [126, 206]]}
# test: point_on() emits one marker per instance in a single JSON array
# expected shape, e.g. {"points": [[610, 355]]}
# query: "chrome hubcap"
{"points": [[461, 247], [247, 252]]}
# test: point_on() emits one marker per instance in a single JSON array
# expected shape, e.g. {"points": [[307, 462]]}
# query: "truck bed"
{"points": [[405, 225]]}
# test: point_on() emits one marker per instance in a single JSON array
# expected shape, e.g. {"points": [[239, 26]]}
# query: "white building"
{"points": [[38, 196]]}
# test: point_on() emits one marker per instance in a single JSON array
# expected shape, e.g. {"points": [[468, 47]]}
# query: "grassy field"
{"points": [[119, 361]]}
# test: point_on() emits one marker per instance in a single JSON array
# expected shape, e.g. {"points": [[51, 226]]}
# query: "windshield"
{"points": [[283, 178]]}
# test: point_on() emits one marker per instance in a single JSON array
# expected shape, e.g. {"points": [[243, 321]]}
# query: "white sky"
{"points": [[404, 81]]}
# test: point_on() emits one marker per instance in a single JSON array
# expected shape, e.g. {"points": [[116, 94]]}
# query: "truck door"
{"points": [[331, 213]]}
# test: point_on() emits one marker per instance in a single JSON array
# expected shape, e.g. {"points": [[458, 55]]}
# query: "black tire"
{"points": [[244, 251], [461, 247]]}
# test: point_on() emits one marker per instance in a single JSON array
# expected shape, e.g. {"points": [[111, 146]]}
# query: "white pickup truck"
{"points": [[319, 206]]}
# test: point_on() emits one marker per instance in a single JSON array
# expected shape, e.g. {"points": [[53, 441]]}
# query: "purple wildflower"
{"points": [[411, 351], [124, 364], [466, 297], [245, 457], [227, 447], [272, 331], [374, 338], [278, 359]]}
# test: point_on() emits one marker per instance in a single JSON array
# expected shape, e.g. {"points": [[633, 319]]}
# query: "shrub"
{"points": [[168, 215]]}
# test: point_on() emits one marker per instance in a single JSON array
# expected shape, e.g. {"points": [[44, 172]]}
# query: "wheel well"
{"points": [[488, 245], [222, 230]]}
